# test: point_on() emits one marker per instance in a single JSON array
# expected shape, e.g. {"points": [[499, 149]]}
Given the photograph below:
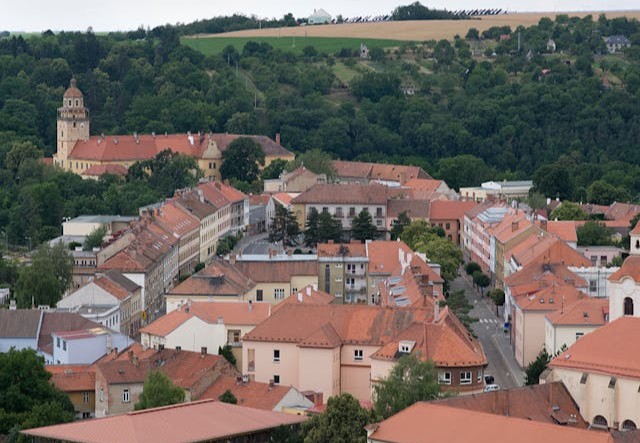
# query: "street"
{"points": [[258, 245], [489, 330]]}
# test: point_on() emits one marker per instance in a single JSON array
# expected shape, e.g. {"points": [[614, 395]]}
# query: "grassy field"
{"points": [[214, 45], [414, 30]]}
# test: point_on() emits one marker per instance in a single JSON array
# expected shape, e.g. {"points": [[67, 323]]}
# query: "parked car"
{"points": [[491, 388]]}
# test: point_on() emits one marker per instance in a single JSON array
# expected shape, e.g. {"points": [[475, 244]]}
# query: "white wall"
{"points": [[194, 334]]}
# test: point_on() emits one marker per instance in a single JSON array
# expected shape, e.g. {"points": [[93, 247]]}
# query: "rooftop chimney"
{"points": [[514, 226], [220, 320], [271, 384], [543, 225], [203, 351], [250, 305]]}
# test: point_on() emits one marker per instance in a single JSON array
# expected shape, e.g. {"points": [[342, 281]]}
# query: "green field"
{"points": [[215, 45]]}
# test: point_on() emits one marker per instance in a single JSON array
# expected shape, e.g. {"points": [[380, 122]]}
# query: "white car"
{"points": [[491, 388]]}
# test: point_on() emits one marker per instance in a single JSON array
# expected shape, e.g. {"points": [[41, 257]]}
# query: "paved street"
{"points": [[258, 244], [489, 330]]}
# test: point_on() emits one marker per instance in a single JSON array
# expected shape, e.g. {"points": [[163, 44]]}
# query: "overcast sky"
{"points": [[110, 15]]}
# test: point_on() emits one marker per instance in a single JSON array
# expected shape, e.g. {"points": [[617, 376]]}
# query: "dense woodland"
{"points": [[482, 109]]}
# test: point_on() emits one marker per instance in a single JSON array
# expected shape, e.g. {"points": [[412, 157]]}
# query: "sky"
{"points": [[119, 15]]}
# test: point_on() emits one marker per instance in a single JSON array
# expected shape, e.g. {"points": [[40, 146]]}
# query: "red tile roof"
{"points": [[553, 298], [549, 403], [98, 170], [415, 209], [636, 229], [564, 230], [285, 198], [277, 270], [72, 91], [423, 184], [220, 278], [232, 312], [605, 350], [453, 425], [251, 395], [587, 311], [176, 219], [72, 378], [630, 268], [167, 323], [220, 194], [353, 249], [200, 421], [306, 296], [143, 147], [623, 212], [384, 258], [449, 210], [511, 226], [372, 194], [377, 171]]}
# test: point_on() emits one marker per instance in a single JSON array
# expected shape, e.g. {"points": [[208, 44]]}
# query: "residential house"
{"points": [[319, 17], [265, 396], [449, 215], [277, 276], [430, 189], [622, 212], [601, 256], [342, 271], [448, 424], [298, 180], [365, 173], [602, 373], [163, 245], [624, 299], [262, 209], [192, 200], [84, 346], [476, 241], [205, 421], [218, 281], [78, 152], [119, 382], [344, 202], [79, 383], [457, 355], [233, 207], [413, 208], [616, 43], [572, 322], [111, 300]]}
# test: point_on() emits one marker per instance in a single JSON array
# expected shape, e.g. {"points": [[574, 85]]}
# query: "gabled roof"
{"points": [[377, 171], [551, 252], [57, 322], [277, 270], [553, 298], [72, 378], [610, 350], [548, 403], [423, 184], [193, 201], [116, 284], [167, 323], [220, 278], [353, 249], [220, 194], [384, 258], [636, 229], [232, 312], [199, 421], [251, 395], [415, 209], [630, 268], [511, 226], [449, 210], [21, 323], [308, 295], [565, 230], [369, 194], [176, 219], [453, 425], [587, 311], [622, 212]]}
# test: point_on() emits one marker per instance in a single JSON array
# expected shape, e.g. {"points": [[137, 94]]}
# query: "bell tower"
{"points": [[73, 124]]}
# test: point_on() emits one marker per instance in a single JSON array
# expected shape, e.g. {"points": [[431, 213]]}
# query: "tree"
{"points": [[242, 160], [568, 211], [594, 233], [47, 278], [463, 170], [29, 400], [329, 228], [343, 422], [602, 193], [460, 306], [315, 161], [274, 169], [497, 295], [284, 227], [158, 390], [410, 381], [20, 152], [311, 232], [95, 238], [362, 227], [418, 229], [399, 224], [472, 34], [228, 397], [481, 279], [374, 86], [553, 181], [539, 365], [227, 352], [472, 267]]}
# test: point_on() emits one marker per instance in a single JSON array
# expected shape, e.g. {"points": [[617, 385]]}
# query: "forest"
{"points": [[496, 105]]}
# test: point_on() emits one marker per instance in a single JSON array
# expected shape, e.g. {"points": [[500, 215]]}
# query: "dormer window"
{"points": [[406, 346]]}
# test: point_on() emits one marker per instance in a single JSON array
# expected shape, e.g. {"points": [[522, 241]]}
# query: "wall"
{"points": [[320, 371], [80, 406], [556, 336], [355, 376], [18, 343], [532, 335], [619, 291], [194, 334], [265, 368]]}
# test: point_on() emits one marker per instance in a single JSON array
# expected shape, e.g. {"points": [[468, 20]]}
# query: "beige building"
{"points": [[625, 289], [193, 201], [79, 152], [343, 270], [298, 180], [602, 373]]}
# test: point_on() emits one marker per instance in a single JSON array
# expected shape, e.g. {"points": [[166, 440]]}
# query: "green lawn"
{"points": [[329, 45]]}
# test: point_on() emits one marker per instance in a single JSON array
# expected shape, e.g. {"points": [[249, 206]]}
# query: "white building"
{"points": [[319, 17], [85, 346], [624, 299]]}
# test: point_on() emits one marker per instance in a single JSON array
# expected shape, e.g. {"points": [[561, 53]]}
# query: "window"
{"points": [[444, 378], [259, 295], [357, 355], [85, 396], [233, 336], [594, 260], [64, 345], [352, 212], [579, 335], [278, 293], [465, 377], [57, 342], [125, 396], [612, 382], [479, 377], [101, 394], [593, 285], [86, 415], [338, 265], [628, 306], [325, 210], [600, 421], [447, 226], [339, 212], [603, 260], [628, 425], [378, 223], [378, 212], [276, 379], [583, 379], [276, 355]]}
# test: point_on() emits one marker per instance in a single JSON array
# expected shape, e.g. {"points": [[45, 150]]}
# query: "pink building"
{"points": [[476, 240]]}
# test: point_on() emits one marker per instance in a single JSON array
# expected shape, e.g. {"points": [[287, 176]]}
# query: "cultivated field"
{"points": [[411, 30]]}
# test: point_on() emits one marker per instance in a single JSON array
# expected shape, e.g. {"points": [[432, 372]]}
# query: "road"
{"points": [[489, 330], [258, 245]]}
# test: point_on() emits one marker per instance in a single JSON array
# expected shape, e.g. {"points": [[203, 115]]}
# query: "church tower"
{"points": [[73, 124]]}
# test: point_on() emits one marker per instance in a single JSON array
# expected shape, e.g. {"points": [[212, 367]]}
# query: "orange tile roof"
{"points": [[143, 147], [355, 324], [548, 274], [636, 229], [609, 350], [587, 311], [277, 270], [167, 323], [192, 200], [251, 395], [198, 421], [384, 258], [371, 194], [630, 268], [449, 210], [553, 298], [553, 252], [353, 249], [422, 184], [377, 171], [306, 296], [259, 199], [232, 312], [511, 226], [530, 248], [622, 212], [220, 278], [549, 403], [98, 170], [113, 287], [565, 230], [453, 425], [176, 219], [72, 378], [285, 198], [415, 209]]}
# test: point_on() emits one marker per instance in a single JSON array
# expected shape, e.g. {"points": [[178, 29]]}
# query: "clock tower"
{"points": [[73, 124]]}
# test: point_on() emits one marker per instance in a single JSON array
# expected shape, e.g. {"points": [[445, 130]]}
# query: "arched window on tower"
{"points": [[628, 306], [600, 421]]}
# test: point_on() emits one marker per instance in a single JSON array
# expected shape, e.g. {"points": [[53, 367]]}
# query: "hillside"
{"points": [[412, 30]]}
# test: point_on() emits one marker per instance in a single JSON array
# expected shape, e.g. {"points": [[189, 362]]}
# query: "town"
{"points": [[232, 286]]}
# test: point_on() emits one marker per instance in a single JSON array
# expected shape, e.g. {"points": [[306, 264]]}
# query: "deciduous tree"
{"points": [[242, 160], [158, 390], [343, 421]]}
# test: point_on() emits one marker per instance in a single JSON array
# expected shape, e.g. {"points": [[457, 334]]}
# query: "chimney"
{"points": [[278, 138], [403, 178], [232, 259], [250, 305], [134, 360], [271, 384], [203, 351], [239, 379], [514, 226], [160, 347], [220, 320], [543, 225]]}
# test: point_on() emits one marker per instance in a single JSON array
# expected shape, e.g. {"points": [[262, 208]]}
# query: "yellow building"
{"points": [[78, 152]]}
